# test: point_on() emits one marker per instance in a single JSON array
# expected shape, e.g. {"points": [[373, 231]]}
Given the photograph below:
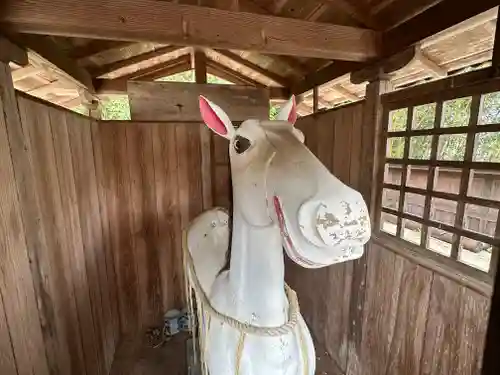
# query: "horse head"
{"points": [[278, 181]]}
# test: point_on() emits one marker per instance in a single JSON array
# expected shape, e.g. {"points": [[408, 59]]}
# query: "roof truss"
{"points": [[145, 20]]}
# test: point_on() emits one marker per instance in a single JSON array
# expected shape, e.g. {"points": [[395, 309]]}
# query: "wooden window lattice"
{"points": [[455, 226]]}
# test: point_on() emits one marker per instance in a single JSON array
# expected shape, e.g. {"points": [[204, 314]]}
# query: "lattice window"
{"points": [[441, 182]]}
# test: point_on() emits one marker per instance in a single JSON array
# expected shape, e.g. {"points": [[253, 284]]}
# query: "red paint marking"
{"points": [[210, 117]]}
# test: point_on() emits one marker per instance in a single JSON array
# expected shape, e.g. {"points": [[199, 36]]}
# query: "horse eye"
{"points": [[241, 144]]}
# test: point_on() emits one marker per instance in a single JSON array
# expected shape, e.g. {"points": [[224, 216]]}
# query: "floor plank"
{"points": [[135, 357]]}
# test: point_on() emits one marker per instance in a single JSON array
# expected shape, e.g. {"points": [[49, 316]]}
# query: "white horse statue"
{"points": [[249, 319]]}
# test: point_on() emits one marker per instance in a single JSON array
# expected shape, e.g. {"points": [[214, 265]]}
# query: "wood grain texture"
{"points": [[145, 20], [378, 315], [113, 326], [16, 284], [154, 101], [36, 127], [69, 327], [456, 329], [7, 360]]}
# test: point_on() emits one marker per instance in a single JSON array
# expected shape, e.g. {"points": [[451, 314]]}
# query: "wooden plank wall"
{"points": [[334, 137], [58, 310], [155, 179], [414, 320]]}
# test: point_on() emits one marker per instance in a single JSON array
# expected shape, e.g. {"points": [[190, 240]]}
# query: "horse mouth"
{"points": [[289, 245]]}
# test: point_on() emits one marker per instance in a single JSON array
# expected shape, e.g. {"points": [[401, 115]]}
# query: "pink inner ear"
{"points": [[211, 119], [292, 116]]}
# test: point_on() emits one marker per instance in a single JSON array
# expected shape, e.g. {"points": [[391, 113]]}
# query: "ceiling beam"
{"points": [[280, 80], [114, 66], [46, 54], [118, 86], [434, 20], [401, 11], [147, 20], [334, 70], [386, 66]]}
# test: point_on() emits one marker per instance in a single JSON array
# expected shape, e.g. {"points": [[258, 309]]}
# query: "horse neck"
{"points": [[257, 273]]}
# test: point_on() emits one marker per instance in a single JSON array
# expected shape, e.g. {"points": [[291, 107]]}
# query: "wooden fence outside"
{"points": [[482, 185]]}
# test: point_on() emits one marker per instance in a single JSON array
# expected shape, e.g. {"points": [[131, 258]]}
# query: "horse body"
{"points": [[282, 198]]}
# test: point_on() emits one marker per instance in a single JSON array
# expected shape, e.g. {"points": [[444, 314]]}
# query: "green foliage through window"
{"points": [[115, 108], [456, 113]]}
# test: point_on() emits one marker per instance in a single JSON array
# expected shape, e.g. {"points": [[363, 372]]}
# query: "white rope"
{"points": [[284, 329], [206, 311]]}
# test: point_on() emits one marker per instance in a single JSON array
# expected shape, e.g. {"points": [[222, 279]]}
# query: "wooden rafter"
{"points": [[182, 65], [383, 67], [95, 47], [145, 20], [27, 71], [358, 11], [432, 21], [160, 70], [401, 11], [114, 66], [469, 24], [56, 88], [334, 70], [228, 72], [430, 65], [250, 65], [495, 61], [342, 91], [46, 54]]}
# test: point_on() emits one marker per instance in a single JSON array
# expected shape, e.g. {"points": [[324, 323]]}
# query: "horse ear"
{"points": [[215, 118], [289, 111]]}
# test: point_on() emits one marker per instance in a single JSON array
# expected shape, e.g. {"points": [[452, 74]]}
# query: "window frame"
{"points": [[420, 96]]}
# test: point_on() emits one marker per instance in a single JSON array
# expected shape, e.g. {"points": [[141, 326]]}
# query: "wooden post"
{"points": [[200, 66], [91, 103], [315, 99], [492, 343], [200, 70], [495, 61], [11, 52], [372, 165]]}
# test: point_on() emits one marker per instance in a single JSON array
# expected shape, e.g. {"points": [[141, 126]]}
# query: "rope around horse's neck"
{"points": [[284, 329]]}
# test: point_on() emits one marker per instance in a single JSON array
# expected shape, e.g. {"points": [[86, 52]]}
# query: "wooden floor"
{"points": [[134, 357]]}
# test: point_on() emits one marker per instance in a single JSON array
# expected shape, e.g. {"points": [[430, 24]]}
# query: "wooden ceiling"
{"points": [[293, 44]]}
